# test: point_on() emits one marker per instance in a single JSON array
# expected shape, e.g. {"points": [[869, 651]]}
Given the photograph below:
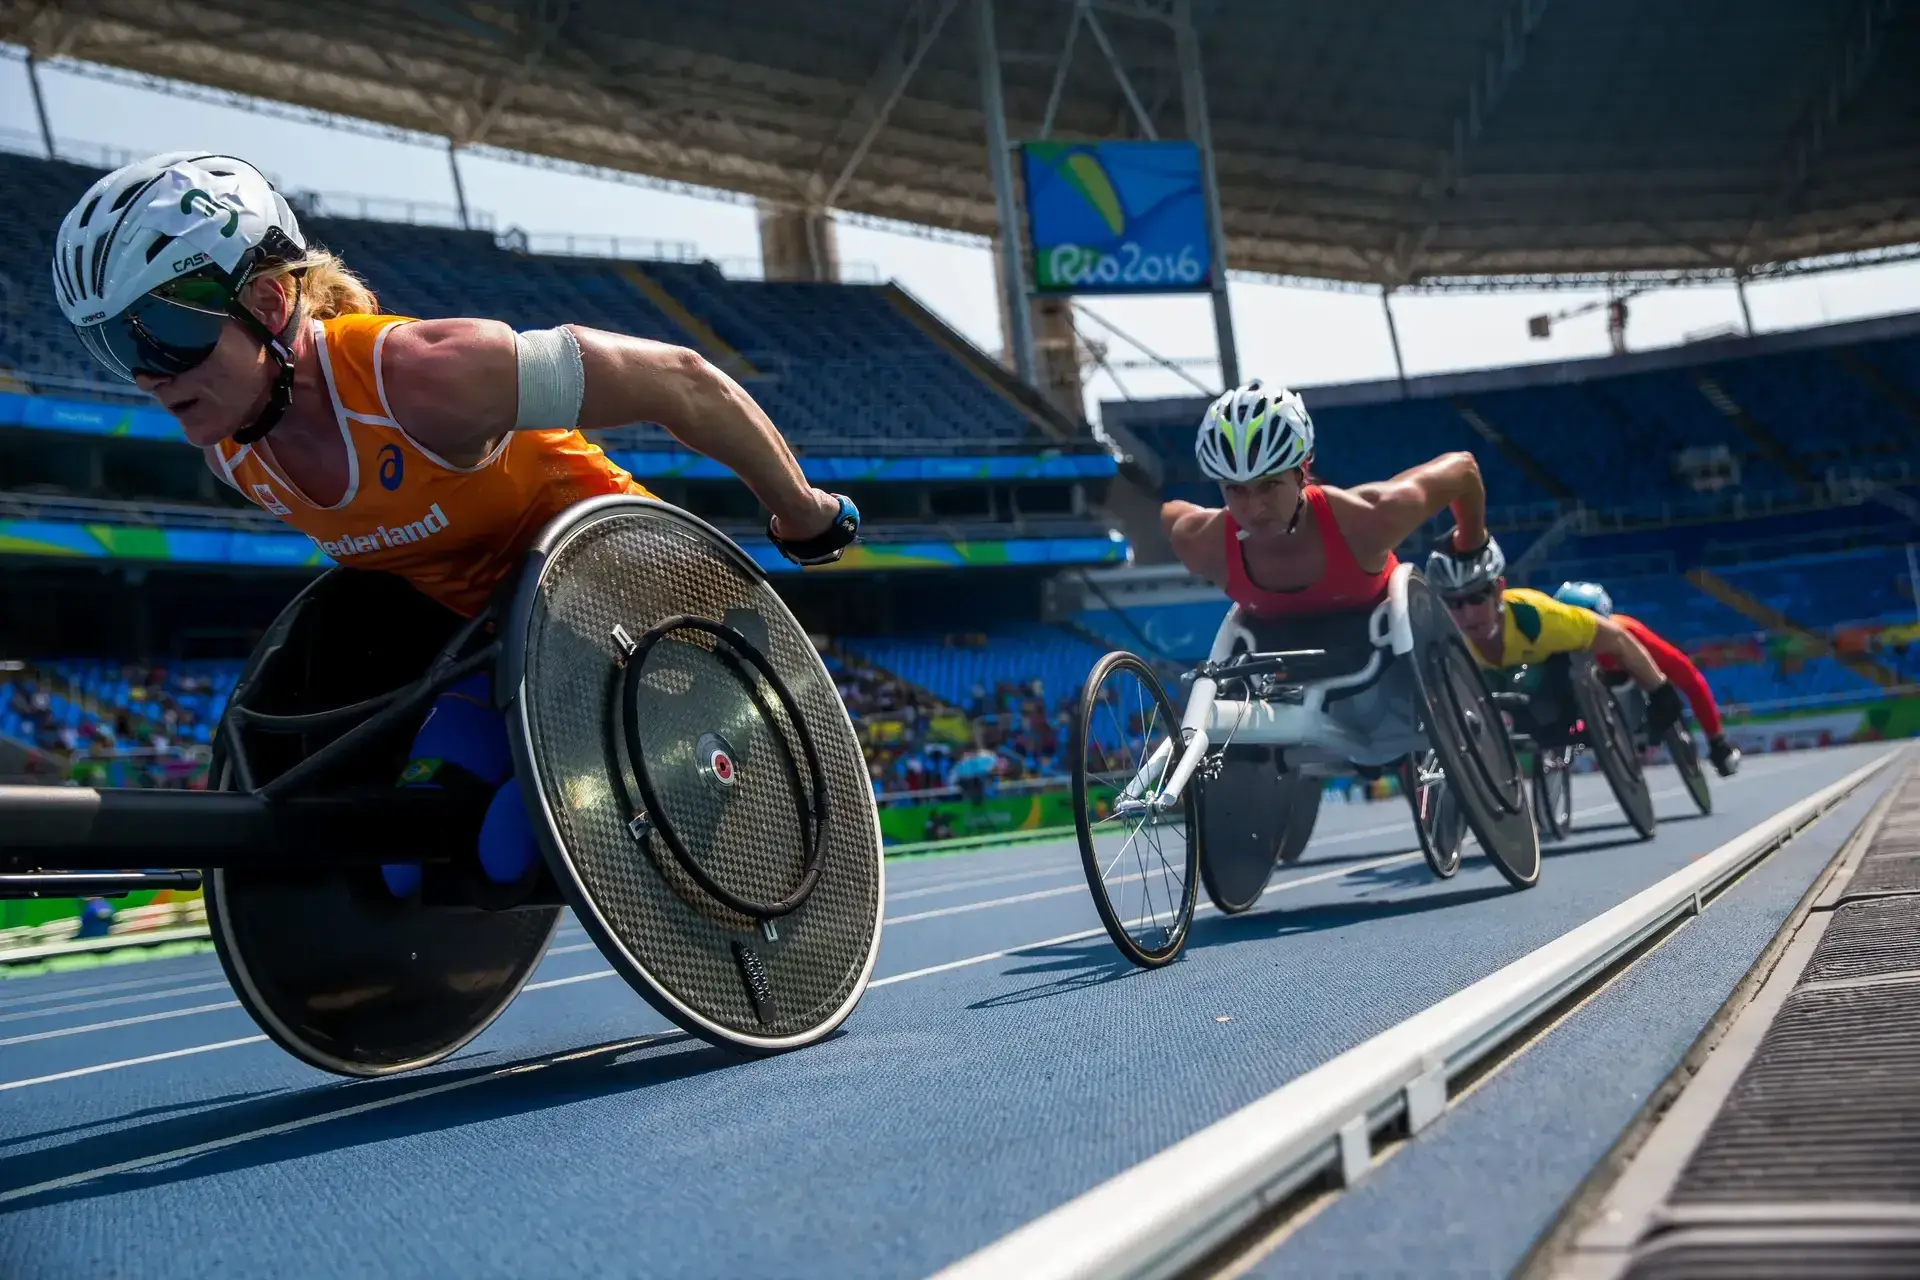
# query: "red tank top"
{"points": [[1344, 585]]}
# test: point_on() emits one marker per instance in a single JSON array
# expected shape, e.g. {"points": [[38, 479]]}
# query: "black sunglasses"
{"points": [[1473, 597], [166, 332]]}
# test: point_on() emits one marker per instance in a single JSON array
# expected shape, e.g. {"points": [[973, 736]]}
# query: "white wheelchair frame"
{"points": [[1263, 722]]}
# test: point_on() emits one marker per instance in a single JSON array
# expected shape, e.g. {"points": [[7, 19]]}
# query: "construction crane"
{"points": [[1615, 304]]}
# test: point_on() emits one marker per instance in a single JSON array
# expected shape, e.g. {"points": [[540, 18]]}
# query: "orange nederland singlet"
{"points": [[455, 533]]}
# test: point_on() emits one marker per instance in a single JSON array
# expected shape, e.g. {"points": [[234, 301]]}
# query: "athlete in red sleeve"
{"points": [[1673, 664]]}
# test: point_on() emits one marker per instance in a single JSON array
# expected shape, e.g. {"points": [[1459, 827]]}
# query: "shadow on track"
{"points": [[582, 1074], [1094, 963], [208, 1104]]}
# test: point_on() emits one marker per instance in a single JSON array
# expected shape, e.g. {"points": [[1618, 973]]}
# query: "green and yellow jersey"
{"points": [[1535, 626]]}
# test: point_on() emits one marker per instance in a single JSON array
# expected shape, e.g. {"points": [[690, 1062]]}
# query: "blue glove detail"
{"points": [[826, 547]]}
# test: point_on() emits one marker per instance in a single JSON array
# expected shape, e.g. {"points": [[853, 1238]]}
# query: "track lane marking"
{"points": [[131, 1062], [102, 1004], [70, 992], [307, 1122]]}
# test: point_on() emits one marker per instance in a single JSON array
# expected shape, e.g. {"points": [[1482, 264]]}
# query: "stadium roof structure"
{"points": [[1403, 143]]}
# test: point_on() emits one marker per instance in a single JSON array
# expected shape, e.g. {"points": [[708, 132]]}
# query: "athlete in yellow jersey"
{"points": [[434, 450], [1516, 626]]}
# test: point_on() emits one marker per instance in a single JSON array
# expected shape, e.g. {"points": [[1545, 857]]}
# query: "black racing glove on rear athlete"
{"points": [[1725, 756], [1663, 711], [826, 547]]}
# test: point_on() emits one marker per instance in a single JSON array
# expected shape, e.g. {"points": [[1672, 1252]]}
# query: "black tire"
{"points": [[1303, 811], [1437, 821], [1553, 791], [1686, 761], [1097, 788], [1246, 814], [1470, 739], [1615, 747]]}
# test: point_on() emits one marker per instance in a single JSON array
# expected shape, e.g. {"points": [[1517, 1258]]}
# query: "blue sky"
{"points": [[1300, 336]]}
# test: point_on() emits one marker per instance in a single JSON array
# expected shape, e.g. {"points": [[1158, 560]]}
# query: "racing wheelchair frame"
{"points": [[691, 776], [1277, 708], [1566, 705]]}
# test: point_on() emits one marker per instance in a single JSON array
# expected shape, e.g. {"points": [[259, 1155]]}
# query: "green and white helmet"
{"points": [[1253, 431]]}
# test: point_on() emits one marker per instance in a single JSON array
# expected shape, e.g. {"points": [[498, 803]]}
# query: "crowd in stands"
{"points": [[113, 724], [915, 742]]}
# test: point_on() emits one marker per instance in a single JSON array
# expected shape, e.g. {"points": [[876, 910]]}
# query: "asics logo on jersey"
{"points": [[385, 537], [392, 468], [209, 206]]}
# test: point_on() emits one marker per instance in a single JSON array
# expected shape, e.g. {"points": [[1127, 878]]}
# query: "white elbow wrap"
{"points": [[553, 380]]}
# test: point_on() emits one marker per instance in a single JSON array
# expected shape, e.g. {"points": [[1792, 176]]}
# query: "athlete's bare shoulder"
{"points": [[1198, 537]]}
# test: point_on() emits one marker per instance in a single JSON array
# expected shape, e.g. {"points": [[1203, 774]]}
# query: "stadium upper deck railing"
{"points": [[161, 515]]}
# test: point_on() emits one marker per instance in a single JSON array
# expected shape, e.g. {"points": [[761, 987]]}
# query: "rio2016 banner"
{"points": [[1117, 217]]}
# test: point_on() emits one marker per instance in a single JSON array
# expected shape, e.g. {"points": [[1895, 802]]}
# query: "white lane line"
{"points": [[307, 1122], [1297, 883], [131, 1062], [120, 1022], [68, 993], [203, 1008], [991, 903], [113, 1000], [1072, 869], [594, 976]]}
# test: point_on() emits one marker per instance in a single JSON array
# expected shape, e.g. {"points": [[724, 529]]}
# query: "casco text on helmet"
{"points": [[1253, 431], [156, 220]]}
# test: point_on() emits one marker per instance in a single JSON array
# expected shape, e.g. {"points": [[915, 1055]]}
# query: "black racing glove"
{"points": [[1725, 756], [1444, 545], [1663, 711], [826, 547]]}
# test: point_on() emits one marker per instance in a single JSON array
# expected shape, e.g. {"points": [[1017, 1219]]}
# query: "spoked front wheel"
{"points": [[1437, 819], [1140, 853], [1553, 791]]}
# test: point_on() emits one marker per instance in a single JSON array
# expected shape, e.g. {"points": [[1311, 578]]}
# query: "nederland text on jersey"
{"points": [[384, 537]]}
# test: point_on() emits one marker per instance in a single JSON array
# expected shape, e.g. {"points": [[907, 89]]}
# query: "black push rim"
{"points": [[1686, 759], [811, 809], [1453, 664], [1175, 933]]}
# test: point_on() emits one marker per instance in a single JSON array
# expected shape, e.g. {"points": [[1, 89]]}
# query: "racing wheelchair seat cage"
{"points": [[1210, 719], [1392, 686]]}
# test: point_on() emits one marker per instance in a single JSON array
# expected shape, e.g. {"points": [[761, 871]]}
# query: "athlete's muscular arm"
{"points": [[1678, 668], [454, 386], [1612, 640], [1198, 539], [1388, 512]]}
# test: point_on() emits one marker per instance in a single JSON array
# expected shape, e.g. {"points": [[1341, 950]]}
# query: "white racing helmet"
{"points": [[148, 266], [1254, 431], [1453, 575]]}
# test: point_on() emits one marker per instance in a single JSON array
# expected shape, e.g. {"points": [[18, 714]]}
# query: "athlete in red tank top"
{"points": [[1256, 441], [1342, 586]]}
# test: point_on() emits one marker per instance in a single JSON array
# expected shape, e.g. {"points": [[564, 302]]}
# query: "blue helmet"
{"points": [[1590, 596]]}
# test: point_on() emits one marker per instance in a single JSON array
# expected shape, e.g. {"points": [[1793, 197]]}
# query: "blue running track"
{"points": [[1005, 1061]]}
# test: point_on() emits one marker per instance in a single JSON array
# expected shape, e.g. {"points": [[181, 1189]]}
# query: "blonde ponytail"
{"points": [[328, 289]]}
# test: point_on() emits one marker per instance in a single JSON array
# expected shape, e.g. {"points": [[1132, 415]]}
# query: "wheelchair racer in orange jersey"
{"points": [[435, 450], [1674, 664]]}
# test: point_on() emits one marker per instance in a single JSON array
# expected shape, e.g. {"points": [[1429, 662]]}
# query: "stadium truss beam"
{"points": [[1843, 85], [874, 106], [1485, 92], [746, 99]]}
